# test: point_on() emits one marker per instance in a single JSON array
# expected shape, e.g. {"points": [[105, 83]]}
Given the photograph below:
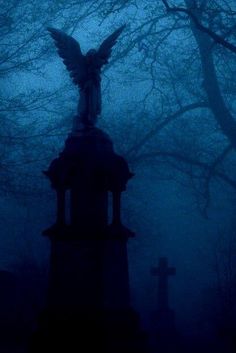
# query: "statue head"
{"points": [[91, 52]]}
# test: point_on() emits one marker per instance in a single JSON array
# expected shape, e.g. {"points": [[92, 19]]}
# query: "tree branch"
{"points": [[136, 147], [211, 173], [189, 161], [217, 39]]}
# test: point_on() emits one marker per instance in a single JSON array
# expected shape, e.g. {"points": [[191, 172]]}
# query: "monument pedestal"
{"points": [[88, 305]]}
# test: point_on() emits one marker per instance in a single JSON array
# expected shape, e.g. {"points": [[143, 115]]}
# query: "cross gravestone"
{"points": [[163, 322], [163, 272]]}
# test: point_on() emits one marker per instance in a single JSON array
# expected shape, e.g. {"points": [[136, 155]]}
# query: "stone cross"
{"points": [[163, 271]]}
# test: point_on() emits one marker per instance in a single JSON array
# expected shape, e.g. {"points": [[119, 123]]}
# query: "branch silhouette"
{"points": [[216, 38]]}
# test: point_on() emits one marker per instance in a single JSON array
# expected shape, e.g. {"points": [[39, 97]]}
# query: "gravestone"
{"points": [[163, 272], [9, 324], [7, 301], [163, 322]]}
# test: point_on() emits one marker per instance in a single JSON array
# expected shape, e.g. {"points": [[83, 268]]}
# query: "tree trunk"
{"points": [[216, 101]]}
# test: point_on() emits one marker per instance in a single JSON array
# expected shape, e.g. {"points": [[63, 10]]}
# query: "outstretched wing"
{"points": [[69, 50], [104, 51]]}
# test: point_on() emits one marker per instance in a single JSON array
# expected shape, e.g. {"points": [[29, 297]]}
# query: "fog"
{"points": [[158, 108]]}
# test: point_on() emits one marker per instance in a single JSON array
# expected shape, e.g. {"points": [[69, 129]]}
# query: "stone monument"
{"points": [[88, 305]]}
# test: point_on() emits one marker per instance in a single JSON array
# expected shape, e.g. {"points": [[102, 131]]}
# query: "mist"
{"points": [[168, 103]]}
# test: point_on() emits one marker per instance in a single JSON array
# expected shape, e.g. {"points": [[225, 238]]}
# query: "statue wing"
{"points": [[104, 51], [69, 50]]}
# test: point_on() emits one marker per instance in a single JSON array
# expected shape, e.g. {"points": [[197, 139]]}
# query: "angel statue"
{"points": [[85, 71]]}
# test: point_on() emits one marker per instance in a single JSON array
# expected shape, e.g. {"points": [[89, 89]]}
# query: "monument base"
{"points": [[165, 337], [107, 331], [88, 307]]}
